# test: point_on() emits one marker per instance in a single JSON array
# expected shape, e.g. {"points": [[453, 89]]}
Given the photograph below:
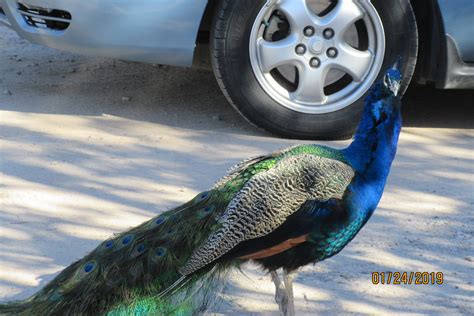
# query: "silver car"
{"points": [[297, 68]]}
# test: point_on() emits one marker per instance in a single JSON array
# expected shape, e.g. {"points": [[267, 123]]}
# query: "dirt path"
{"points": [[89, 147]]}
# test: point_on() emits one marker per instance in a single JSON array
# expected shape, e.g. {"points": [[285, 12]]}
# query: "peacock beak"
{"points": [[392, 81], [394, 87]]}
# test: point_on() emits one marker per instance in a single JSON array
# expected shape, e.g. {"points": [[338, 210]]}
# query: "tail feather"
{"points": [[174, 287], [191, 297], [137, 269], [13, 308]]}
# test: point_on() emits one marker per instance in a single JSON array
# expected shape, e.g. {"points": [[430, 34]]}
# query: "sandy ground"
{"points": [[89, 147]]}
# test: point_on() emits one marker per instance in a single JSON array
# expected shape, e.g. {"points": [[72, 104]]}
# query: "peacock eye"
{"points": [[141, 248], [127, 239], [160, 252], [202, 196], [159, 221], [89, 267]]}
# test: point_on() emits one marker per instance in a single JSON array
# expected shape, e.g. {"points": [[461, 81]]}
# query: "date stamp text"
{"points": [[408, 278]]}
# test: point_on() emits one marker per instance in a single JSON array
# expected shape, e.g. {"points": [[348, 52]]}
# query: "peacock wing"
{"points": [[268, 199]]}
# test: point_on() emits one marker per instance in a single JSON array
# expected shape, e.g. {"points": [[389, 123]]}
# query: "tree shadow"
{"points": [[73, 173]]}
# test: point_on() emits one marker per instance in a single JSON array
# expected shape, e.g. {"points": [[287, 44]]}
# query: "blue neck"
{"points": [[372, 152]]}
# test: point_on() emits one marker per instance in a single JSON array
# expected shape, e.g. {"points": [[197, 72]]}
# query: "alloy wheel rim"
{"points": [[330, 71]]}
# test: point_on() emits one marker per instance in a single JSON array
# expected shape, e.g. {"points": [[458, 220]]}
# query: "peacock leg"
{"points": [[281, 297], [288, 278]]}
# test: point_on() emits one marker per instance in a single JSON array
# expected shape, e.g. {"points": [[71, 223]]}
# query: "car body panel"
{"points": [[153, 31], [458, 74], [458, 19]]}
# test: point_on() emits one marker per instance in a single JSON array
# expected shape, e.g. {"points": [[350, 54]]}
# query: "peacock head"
{"points": [[389, 86], [383, 100]]}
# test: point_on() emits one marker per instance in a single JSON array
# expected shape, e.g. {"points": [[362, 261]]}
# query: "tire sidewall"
{"points": [[259, 108]]}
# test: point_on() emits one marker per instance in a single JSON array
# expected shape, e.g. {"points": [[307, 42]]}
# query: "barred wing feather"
{"points": [[268, 199]]}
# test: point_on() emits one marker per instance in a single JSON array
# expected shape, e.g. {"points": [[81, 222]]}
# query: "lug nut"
{"points": [[328, 33], [315, 62], [309, 31], [300, 49], [332, 52]]}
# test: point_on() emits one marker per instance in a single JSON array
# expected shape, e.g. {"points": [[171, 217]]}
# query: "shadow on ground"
{"points": [[79, 164]]}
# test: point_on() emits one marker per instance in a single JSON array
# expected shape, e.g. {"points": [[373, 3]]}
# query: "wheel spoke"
{"points": [[297, 13], [353, 61], [275, 54], [318, 47], [342, 16], [310, 86]]}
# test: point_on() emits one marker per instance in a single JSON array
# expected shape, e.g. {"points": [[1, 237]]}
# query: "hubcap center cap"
{"points": [[317, 46]]}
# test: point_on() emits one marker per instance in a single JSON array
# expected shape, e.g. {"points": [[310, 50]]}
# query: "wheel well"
{"points": [[206, 21], [202, 58], [431, 64]]}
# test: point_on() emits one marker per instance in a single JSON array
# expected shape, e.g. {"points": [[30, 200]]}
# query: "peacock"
{"points": [[283, 210]]}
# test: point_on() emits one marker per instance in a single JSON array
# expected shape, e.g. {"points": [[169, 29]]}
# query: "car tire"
{"points": [[233, 62]]}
